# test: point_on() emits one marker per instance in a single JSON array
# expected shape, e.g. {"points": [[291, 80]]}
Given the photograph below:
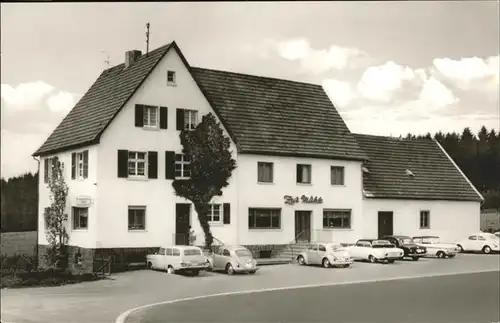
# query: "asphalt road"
{"points": [[460, 298]]}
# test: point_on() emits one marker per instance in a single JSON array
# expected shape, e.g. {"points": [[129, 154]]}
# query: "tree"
{"points": [[56, 219], [211, 167]]}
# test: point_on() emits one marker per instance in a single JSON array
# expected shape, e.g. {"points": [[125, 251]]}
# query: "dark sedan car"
{"points": [[410, 249]]}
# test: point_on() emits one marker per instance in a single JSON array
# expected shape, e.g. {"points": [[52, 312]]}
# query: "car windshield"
{"points": [[407, 240], [381, 244], [430, 240], [337, 247], [243, 253], [192, 252]]}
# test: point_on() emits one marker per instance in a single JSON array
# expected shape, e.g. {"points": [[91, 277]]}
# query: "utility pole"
{"points": [[147, 39]]}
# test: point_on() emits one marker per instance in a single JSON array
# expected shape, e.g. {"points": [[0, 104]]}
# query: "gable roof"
{"points": [[85, 123], [262, 115], [436, 175]]}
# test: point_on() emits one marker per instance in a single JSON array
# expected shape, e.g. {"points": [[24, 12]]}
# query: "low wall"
{"points": [[15, 243]]}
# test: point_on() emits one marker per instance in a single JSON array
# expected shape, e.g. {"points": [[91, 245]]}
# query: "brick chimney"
{"points": [[131, 57]]}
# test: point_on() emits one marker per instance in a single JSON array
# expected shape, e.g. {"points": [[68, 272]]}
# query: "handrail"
{"points": [[105, 263], [295, 241]]}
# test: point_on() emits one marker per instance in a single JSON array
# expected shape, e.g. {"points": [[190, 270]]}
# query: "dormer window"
{"points": [[409, 173], [171, 78]]}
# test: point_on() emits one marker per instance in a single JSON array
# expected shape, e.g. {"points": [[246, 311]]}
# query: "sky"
{"points": [[389, 67]]}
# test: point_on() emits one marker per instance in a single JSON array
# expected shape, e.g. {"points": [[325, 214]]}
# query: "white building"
{"points": [[299, 175]]}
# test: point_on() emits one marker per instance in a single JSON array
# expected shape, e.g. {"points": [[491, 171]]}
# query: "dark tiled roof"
{"points": [[96, 109], [278, 117], [436, 178]]}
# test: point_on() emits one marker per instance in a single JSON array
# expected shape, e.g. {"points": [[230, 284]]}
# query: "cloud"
{"points": [[62, 101], [470, 72], [340, 93], [25, 94], [378, 83], [436, 94]]}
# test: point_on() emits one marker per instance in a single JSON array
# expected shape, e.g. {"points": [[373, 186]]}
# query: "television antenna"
{"points": [[147, 38], [107, 61]]}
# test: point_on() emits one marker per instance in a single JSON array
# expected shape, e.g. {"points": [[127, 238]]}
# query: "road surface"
{"points": [[457, 298]]}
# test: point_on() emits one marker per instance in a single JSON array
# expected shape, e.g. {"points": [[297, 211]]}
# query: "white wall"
{"points": [[254, 194], [450, 220], [76, 187], [116, 194]]}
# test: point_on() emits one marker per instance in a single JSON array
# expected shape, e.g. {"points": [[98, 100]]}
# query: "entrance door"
{"points": [[385, 224], [303, 226], [182, 216]]}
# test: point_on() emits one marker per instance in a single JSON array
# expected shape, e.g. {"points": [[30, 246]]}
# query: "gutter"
{"points": [[38, 210]]}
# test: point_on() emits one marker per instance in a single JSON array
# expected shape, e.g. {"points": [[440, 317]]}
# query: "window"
{"points": [[136, 163], [169, 251], [304, 174], [480, 238], [176, 252], [473, 238], [170, 77], [137, 218], [190, 119], [425, 220], [264, 172], [322, 248], [337, 219], [182, 166], [337, 175], [80, 218], [150, 116], [162, 251], [214, 213], [226, 253], [264, 218]]}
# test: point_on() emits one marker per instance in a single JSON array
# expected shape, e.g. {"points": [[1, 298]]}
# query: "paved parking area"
{"points": [[104, 301]]}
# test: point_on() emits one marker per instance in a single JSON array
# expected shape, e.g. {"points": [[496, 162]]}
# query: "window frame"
{"points": [[76, 224], [251, 212], [334, 183], [146, 117], [342, 212], [174, 77], [302, 166], [136, 208], [425, 223], [263, 164], [211, 213], [136, 161], [188, 114], [182, 162]]}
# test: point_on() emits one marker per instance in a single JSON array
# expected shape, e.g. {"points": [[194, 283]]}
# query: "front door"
{"points": [[182, 217], [303, 226], [385, 224]]}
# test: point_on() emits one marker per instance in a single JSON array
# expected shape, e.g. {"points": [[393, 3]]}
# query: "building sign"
{"points": [[303, 199], [83, 201]]}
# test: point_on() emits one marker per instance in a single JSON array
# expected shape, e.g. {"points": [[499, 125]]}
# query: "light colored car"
{"points": [[327, 254], [497, 234], [375, 250], [175, 259], [481, 241], [232, 259], [435, 247]]}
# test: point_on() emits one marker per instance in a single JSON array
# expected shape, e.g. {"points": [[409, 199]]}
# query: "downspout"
{"points": [[38, 210]]}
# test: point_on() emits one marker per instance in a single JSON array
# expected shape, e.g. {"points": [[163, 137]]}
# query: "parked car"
{"points": [[375, 250], [435, 247], [410, 249], [497, 234], [326, 254], [232, 259], [178, 259], [481, 241]]}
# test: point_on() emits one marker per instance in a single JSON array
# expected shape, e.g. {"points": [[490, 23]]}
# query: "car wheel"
{"points": [[486, 250], [230, 269], [451, 256], [372, 259], [252, 272], [460, 248], [195, 272], [170, 270], [301, 260], [441, 254], [326, 263], [415, 258], [150, 265], [346, 266], [391, 261]]}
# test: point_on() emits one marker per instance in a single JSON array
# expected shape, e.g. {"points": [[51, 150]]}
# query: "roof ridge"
{"points": [[143, 55], [256, 76], [394, 138]]}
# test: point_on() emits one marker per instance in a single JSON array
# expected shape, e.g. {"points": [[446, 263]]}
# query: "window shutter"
{"points": [[299, 174], [152, 164], [86, 164], [163, 117], [73, 166], [180, 119], [46, 170], [169, 165], [55, 162], [227, 213], [123, 163], [139, 115]]}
